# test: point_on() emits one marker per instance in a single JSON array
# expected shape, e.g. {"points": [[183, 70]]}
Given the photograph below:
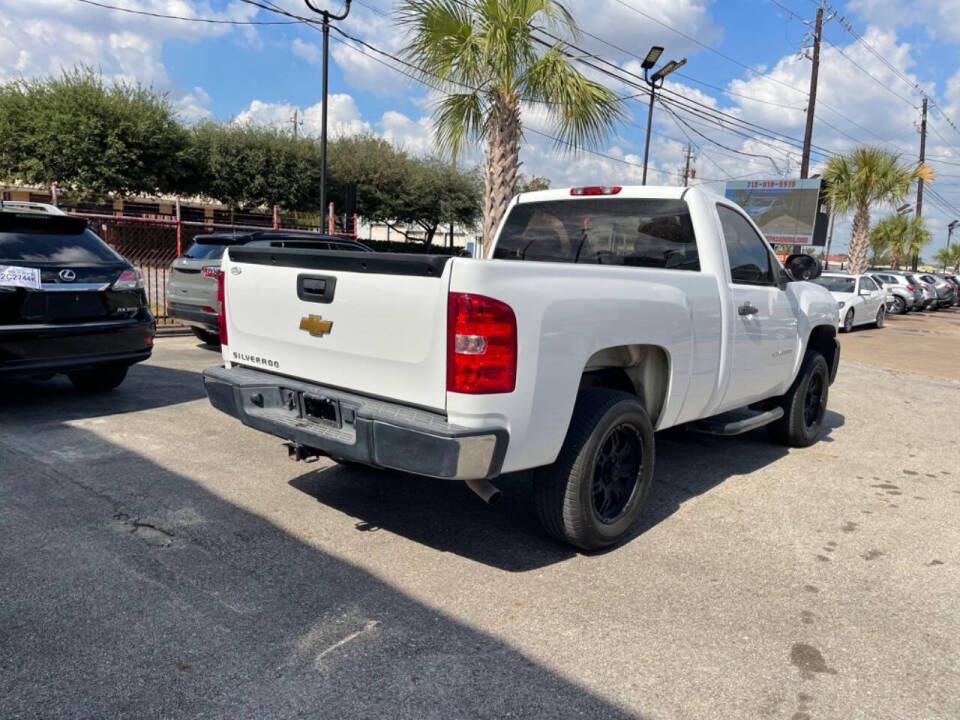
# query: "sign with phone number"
{"points": [[13, 276]]}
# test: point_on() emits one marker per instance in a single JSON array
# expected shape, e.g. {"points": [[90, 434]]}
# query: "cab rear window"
{"points": [[601, 231], [207, 251]]}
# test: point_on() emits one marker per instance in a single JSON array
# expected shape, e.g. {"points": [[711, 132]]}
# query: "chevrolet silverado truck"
{"points": [[602, 315]]}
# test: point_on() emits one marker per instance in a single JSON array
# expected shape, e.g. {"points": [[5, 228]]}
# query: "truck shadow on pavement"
{"points": [[448, 517], [147, 386], [131, 590]]}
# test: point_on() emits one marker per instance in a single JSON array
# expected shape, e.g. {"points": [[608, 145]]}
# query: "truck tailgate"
{"points": [[373, 323]]}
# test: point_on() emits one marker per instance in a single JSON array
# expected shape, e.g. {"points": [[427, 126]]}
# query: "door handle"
{"points": [[748, 309]]}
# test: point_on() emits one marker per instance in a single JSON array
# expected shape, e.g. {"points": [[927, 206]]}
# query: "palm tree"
{"points": [[918, 236], [491, 58], [865, 177], [879, 246], [948, 257], [892, 233]]}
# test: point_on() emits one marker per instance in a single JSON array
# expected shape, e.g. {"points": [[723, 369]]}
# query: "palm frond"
{"points": [[584, 110]]}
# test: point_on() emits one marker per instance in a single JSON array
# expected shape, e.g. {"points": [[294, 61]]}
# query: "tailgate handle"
{"points": [[316, 288]]}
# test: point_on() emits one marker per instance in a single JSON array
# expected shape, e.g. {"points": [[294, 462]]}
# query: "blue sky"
{"points": [[262, 73]]}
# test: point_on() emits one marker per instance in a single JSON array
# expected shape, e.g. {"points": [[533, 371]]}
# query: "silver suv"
{"points": [[192, 288], [904, 295]]}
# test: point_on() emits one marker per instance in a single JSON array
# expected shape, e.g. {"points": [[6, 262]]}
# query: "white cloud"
{"points": [[313, 54], [194, 105], [343, 116], [939, 18]]}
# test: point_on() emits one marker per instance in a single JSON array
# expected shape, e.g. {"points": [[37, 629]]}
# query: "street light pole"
{"points": [[655, 81], [950, 228], [327, 17]]}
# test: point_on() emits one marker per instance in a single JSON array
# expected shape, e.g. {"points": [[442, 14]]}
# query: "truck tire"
{"points": [[99, 379], [804, 405], [594, 492]]}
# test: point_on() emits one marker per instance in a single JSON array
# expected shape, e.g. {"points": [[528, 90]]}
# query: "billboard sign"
{"points": [[786, 211]]}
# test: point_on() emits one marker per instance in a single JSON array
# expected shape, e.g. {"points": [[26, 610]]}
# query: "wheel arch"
{"points": [[641, 370], [823, 339]]}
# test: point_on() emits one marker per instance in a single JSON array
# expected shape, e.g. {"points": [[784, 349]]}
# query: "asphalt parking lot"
{"points": [[159, 559]]}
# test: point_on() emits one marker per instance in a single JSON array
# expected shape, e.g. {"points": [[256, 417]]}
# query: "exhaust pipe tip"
{"points": [[487, 491]]}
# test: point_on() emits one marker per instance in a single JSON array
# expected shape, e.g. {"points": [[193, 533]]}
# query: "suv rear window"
{"points": [[206, 250], [84, 247], [601, 231]]}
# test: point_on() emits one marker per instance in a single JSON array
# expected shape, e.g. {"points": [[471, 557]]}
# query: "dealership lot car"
{"points": [[192, 288], [68, 303], [902, 297], [860, 301], [561, 354]]}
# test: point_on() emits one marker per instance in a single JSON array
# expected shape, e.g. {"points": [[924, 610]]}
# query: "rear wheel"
{"points": [[210, 338], [899, 305], [804, 405], [881, 316], [593, 494], [99, 379]]}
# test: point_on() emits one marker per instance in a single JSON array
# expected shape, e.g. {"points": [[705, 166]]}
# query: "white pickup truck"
{"points": [[605, 314]]}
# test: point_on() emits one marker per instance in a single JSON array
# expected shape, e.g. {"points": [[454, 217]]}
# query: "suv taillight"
{"points": [[129, 280], [481, 345], [222, 314], [911, 288]]}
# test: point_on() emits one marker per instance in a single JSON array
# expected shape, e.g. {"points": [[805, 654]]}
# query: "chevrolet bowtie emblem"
{"points": [[316, 325]]}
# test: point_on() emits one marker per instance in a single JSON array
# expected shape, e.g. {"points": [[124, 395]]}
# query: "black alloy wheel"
{"points": [[617, 471], [813, 401]]}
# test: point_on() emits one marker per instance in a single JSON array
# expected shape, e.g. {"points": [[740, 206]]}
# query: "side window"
{"points": [[750, 261], [867, 284]]}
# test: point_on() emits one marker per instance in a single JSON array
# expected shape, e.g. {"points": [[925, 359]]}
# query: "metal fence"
{"points": [[151, 244]]}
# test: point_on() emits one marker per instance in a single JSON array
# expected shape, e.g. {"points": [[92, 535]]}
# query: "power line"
{"points": [[870, 75], [212, 21]]}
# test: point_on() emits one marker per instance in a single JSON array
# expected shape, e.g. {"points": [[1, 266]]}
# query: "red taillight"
{"points": [[481, 345], [211, 271], [596, 190], [222, 315], [911, 288]]}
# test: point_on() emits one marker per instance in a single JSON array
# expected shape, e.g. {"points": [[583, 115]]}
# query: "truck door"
{"points": [[764, 336]]}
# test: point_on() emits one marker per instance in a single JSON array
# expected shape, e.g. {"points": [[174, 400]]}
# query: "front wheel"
{"points": [[804, 405], [594, 493], [99, 379], [848, 321], [881, 317]]}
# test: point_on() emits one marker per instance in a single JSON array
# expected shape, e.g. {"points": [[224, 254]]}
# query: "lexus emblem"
{"points": [[68, 275]]}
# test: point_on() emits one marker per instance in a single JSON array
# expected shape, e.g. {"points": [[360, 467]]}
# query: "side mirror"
{"points": [[803, 267]]}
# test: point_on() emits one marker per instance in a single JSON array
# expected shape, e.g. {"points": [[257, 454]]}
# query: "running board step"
{"points": [[736, 422]]}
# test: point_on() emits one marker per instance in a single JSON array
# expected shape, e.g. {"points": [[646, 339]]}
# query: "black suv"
{"points": [[192, 289], [68, 302]]}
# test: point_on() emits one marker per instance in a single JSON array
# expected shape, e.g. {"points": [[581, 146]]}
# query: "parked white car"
{"points": [[860, 301], [606, 313]]}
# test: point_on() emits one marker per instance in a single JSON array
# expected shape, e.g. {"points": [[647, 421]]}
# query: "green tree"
{"points": [[865, 177], [891, 234], [377, 168], [488, 62], [537, 182], [437, 193], [89, 135], [948, 257], [918, 236], [879, 249], [249, 166]]}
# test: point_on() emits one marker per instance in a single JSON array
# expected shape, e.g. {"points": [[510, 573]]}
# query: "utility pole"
{"points": [[295, 123], [923, 151], [327, 17], [811, 104], [686, 169]]}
